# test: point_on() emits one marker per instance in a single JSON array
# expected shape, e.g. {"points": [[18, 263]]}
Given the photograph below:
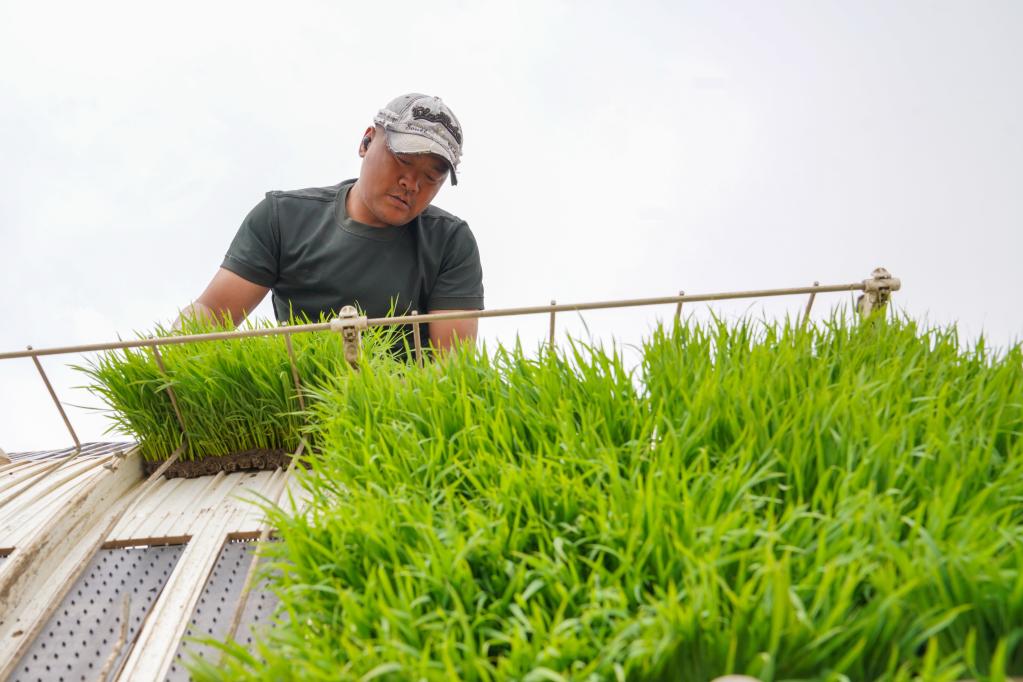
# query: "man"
{"points": [[374, 242]]}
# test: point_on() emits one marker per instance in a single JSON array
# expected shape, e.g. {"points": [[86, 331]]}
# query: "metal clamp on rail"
{"points": [[877, 290], [350, 325]]}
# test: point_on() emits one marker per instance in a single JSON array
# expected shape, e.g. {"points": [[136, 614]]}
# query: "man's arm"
{"points": [[444, 334], [459, 288], [252, 257], [226, 294]]}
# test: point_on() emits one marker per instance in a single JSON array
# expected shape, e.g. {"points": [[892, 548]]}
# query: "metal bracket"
{"points": [[116, 460], [877, 290], [350, 325]]}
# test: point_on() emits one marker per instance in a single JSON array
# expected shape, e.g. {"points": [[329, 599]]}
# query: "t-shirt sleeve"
{"points": [[254, 253], [460, 280]]}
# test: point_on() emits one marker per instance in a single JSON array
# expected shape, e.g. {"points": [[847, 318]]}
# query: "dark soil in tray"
{"points": [[250, 460]]}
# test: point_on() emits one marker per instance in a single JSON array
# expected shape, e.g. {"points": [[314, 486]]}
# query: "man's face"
{"points": [[395, 188]]}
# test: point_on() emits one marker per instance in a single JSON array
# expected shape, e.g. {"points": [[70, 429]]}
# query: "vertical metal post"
{"points": [[56, 401], [678, 308], [809, 304], [108, 666], [553, 303], [417, 340], [294, 372], [170, 390]]}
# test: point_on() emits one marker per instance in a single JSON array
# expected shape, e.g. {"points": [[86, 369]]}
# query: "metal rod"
{"points": [[678, 308], [264, 536], [294, 372], [170, 390], [56, 401], [438, 317], [417, 340], [107, 668], [171, 340], [603, 305], [809, 304], [554, 304]]}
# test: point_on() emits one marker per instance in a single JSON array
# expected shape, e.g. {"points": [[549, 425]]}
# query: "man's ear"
{"points": [[367, 138]]}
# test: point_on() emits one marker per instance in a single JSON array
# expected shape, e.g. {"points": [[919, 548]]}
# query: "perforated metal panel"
{"points": [[83, 632], [213, 612]]}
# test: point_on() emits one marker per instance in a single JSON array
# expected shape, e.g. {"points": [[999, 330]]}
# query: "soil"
{"points": [[249, 460]]}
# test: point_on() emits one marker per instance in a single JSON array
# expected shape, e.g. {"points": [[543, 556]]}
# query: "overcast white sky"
{"points": [[612, 151]]}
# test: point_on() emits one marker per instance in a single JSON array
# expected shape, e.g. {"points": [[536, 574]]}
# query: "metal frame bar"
{"points": [[294, 372], [890, 285], [170, 391], [56, 401], [417, 340]]}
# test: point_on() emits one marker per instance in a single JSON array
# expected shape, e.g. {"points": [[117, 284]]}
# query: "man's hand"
{"points": [[226, 294], [444, 334]]}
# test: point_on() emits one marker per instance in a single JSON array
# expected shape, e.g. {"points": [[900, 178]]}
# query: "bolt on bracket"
{"points": [[877, 290], [350, 324]]}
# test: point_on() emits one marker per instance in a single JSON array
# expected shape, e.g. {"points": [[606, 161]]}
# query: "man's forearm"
{"points": [[444, 334], [195, 311]]}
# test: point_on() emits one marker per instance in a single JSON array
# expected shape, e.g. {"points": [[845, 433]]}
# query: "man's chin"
{"points": [[393, 216], [395, 222]]}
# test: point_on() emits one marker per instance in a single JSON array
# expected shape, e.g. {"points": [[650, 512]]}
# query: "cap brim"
{"points": [[409, 143]]}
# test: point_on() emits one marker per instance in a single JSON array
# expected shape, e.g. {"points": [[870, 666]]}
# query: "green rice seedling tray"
{"points": [[238, 401]]}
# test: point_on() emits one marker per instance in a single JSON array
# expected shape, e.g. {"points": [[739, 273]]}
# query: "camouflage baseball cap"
{"points": [[421, 124]]}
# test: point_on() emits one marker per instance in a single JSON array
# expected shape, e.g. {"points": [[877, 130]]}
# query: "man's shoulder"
{"points": [[324, 195], [437, 219]]}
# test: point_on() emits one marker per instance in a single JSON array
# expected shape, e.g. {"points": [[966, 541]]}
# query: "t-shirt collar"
{"points": [[352, 226]]}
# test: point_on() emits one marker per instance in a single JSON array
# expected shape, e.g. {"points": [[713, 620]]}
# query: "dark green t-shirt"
{"points": [[317, 259]]}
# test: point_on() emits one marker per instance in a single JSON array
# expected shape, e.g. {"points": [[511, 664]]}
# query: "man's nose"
{"points": [[409, 181]]}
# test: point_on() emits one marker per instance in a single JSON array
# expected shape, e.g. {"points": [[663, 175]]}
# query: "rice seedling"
{"points": [[839, 501], [234, 396]]}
